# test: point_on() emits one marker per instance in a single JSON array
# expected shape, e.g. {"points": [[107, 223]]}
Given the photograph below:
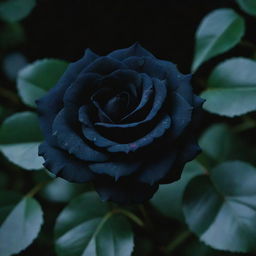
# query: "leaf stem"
{"points": [[173, 245], [37, 188], [130, 215]]}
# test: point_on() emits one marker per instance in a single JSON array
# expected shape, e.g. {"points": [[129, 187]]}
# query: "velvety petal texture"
{"points": [[124, 122]]}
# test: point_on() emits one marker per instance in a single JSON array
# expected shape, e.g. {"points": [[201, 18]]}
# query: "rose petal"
{"points": [[115, 169], [134, 50], [160, 91], [63, 165], [181, 113], [157, 167], [70, 141], [124, 191], [52, 102]]}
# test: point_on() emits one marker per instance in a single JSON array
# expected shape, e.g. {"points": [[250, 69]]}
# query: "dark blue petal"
{"points": [[146, 140], [157, 167], [177, 81], [134, 50], [147, 91], [115, 169], [189, 152], [159, 99], [147, 65], [124, 191], [79, 92], [52, 102], [105, 65], [70, 141], [181, 113], [64, 165]]}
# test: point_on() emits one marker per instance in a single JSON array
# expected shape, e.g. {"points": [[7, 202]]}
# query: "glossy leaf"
{"points": [[168, 199], [86, 227], [20, 137], [232, 88], [21, 226], [15, 10], [248, 6], [221, 208], [218, 32], [37, 78]]}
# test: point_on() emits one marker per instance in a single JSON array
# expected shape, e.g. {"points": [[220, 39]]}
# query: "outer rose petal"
{"points": [[134, 50], [124, 191], [71, 142], [52, 102], [65, 166]]}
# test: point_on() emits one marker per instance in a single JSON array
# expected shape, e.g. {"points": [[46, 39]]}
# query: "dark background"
{"points": [[65, 28]]}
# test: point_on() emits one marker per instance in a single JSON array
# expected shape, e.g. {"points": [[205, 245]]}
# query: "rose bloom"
{"points": [[124, 122]]}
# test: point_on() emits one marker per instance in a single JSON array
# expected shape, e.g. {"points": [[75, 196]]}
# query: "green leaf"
{"points": [[15, 10], [8, 200], [60, 190], [248, 6], [11, 34], [232, 88], [20, 227], [219, 31], [220, 143], [37, 78], [221, 208], [168, 199], [87, 227], [20, 137]]}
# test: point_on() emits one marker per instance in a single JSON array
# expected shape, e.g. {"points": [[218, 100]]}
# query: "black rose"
{"points": [[124, 121]]}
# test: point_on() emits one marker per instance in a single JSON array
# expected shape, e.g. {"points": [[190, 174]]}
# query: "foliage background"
{"points": [[62, 29]]}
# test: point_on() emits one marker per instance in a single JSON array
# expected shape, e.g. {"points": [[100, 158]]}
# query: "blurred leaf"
{"points": [[37, 78], [20, 227], [12, 64], [15, 10], [11, 34], [218, 32], [200, 249], [221, 208], [20, 137], [220, 143], [168, 199], [87, 228], [8, 200], [232, 88], [60, 190], [3, 180], [248, 6]]}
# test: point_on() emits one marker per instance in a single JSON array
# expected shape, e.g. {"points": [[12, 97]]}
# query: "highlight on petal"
{"points": [[64, 165], [134, 50]]}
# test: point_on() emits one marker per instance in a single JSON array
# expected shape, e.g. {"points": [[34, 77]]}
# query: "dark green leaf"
{"points": [[15, 10], [248, 6], [219, 31], [168, 199], [232, 88], [19, 139], [60, 190], [221, 208], [86, 227], [20, 227], [11, 34], [37, 78]]}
